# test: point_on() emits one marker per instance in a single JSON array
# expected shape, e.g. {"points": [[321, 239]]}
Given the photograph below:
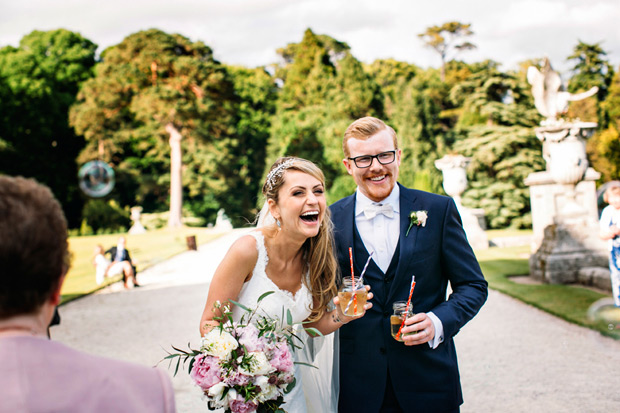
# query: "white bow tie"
{"points": [[371, 211]]}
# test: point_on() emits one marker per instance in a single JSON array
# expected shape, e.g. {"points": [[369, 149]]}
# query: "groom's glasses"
{"points": [[365, 161]]}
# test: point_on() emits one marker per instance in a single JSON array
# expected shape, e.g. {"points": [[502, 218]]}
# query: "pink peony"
{"points": [[237, 379], [239, 405], [250, 339], [282, 358], [205, 371]]}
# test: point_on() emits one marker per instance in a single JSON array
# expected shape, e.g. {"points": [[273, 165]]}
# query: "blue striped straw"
{"points": [[359, 281]]}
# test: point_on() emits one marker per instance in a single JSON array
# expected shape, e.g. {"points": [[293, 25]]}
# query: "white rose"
{"points": [[422, 215], [256, 365], [267, 391], [216, 391], [219, 344]]}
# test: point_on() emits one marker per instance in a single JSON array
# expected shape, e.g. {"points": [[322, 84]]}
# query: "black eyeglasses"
{"points": [[365, 161]]}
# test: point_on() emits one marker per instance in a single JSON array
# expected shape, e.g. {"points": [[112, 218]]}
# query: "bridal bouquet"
{"points": [[242, 366]]}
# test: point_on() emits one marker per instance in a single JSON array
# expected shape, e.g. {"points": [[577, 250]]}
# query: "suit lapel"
{"points": [[345, 214], [407, 242]]}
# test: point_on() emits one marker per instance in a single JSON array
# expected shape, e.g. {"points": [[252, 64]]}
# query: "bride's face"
{"points": [[301, 205]]}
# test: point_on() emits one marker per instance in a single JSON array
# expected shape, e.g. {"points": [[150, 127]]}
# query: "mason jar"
{"points": [[401, 311]]}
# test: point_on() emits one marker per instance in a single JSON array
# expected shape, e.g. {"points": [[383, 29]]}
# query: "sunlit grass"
{"points": [[146, 250], [569, 302]]}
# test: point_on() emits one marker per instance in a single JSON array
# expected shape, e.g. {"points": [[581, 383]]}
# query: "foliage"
{"points": [[591, 68], [502, 157], [604, 147], [102, 216], [324, 89], [38, 83], [257, 94], [445, 39], [146, 87], [414, 100]]}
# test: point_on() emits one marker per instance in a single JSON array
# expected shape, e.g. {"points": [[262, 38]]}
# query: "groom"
{"points": [[378, 373]]}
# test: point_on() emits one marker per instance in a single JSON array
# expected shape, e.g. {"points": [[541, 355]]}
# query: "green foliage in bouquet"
{"points": [[246, 365]]}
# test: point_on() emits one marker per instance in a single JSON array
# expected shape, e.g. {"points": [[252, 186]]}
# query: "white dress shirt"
{"points": [[381, 234]]}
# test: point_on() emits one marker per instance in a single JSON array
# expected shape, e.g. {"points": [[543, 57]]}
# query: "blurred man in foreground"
{"points": [[37, 374]]}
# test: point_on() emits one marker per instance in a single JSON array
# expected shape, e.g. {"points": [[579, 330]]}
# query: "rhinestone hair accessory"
{"points": [[277, 172]]}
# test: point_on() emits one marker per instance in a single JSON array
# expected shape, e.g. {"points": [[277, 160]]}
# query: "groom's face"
{"points": [[377, 180]]}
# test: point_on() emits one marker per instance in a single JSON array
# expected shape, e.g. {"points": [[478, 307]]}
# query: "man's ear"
{"points": [[55, 298], [347, 164]]}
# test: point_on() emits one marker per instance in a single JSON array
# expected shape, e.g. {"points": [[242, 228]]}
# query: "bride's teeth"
{"points": [[305, 214]]}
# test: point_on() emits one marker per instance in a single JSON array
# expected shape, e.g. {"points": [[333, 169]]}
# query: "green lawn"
{"points": [[570, 302], [146, 249]]}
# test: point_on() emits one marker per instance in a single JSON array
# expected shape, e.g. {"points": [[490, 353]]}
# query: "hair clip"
{"points": [[277, 172]]}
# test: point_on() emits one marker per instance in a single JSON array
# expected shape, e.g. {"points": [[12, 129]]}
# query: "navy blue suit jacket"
{"points": [[424, 379]]}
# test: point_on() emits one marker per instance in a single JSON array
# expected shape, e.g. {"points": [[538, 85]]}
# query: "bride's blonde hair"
{"points": [[318, 251]]}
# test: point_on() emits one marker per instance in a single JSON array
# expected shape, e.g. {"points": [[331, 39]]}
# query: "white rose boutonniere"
{"points": [[417, 218]]}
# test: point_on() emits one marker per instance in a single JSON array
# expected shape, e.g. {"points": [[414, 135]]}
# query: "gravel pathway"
{"points": [[513, 357]]}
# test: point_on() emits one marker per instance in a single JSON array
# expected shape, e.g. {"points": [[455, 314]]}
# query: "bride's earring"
{"points": [[278, 224]]}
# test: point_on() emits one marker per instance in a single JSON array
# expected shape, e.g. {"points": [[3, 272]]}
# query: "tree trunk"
{"points": [[176, 182]]}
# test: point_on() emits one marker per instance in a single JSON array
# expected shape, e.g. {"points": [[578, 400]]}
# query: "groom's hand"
{"points": [[421, 323]]}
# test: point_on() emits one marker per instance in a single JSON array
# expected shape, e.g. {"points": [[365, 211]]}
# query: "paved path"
{"points": [[513, 357]]}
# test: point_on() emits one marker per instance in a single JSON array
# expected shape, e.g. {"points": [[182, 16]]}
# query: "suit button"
{"points": [[386, 314], [382, 350], [387, 280]]}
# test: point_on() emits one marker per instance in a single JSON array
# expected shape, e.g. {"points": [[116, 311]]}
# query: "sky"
{"points": [[248, 32]]}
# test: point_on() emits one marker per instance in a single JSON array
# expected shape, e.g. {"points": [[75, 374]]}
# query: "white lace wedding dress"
{"points": [[276, 306]]}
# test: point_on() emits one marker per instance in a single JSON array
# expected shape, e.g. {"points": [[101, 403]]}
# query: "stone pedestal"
{"points": [[565, 225], [476, 236], [548, 199], [222, 222]]}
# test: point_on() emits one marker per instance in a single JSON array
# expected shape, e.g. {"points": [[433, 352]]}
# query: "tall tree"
{"points": [[38, 82], [447, 41], [324, 89], [591, 68], [604, 147], [153, 87]]}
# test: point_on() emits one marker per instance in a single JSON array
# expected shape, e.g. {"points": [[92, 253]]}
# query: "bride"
{"points": [[290, 253]]}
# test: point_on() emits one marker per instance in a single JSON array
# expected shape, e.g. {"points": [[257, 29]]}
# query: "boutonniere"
{"points": [[417, 218]]}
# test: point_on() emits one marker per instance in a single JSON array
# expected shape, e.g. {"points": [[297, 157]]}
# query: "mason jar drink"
{"points": [[352, 296], [401, 312]]}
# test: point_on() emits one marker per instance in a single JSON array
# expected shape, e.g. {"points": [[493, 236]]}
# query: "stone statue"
{"points": [[137, 227], [563, 197], [222, 222], [549, 97]]}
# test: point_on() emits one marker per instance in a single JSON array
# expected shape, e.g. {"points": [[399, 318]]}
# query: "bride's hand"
{"points": [[345, 319]]}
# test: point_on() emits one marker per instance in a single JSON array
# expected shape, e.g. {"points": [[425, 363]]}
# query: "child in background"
{"points": [[610, 231], [101, 264]]}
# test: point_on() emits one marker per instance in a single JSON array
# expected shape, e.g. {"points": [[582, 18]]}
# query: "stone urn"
{"points": [[564, 150], [453, 169], [137, 227]]}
